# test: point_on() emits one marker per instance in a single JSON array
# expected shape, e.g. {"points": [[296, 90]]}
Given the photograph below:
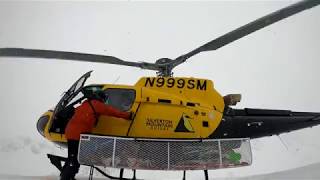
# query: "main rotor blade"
{"points": [[249, 28], [50, 54]]}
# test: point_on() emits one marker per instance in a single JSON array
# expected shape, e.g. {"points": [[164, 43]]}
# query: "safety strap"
{"points": [[95, 113]]}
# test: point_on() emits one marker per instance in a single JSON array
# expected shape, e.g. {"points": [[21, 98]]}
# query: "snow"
{"points": [[276, 67], [307, 172], [310, 172], [14, 177]]}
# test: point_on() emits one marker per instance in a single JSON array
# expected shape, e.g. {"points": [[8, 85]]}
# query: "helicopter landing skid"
{"points": [[206, 176], [92, 168], [57, 162], [134, 174]]}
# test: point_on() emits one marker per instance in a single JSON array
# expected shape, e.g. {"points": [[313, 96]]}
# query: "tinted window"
{"points": [[85, 90], [41, 124], [121, 99], [78, 84]]}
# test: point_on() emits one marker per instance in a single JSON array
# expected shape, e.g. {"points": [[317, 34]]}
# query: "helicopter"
{"points": [[167, 107]]}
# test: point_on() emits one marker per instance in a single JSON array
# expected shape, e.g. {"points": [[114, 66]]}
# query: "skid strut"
{"points": [[184, 175], [112, 177], [57, 162], [206, 176], [91, 173]]}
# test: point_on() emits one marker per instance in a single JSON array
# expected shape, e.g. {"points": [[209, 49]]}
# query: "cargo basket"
{"points": [[163, 154]]}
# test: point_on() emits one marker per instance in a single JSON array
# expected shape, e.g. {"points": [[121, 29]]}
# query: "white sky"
{"points": [[276, 67]]}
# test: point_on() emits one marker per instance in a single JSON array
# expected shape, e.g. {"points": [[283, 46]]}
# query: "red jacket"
{"points": [[84, 118]]}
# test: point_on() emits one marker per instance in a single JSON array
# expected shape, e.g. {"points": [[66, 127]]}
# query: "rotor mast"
{"points": [[164, 66], [165, 71]]}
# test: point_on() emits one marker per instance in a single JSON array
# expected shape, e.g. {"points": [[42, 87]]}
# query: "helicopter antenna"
{"points": [[282, 142], [116, 80], [164, 66]]}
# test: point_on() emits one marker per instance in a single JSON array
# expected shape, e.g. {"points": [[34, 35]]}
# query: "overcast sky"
{"points": [[277, 67]]}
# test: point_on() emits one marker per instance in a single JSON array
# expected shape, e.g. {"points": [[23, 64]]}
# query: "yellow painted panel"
{"points": [[108, 125], [112, 126], [195, 90], [210, 120], [54, 137], [155, 120]]}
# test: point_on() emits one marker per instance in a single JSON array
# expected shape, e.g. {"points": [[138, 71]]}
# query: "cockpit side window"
{"points": [[121, 99], [85, 90]]}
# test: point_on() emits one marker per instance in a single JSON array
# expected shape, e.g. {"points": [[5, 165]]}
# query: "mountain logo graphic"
{"points": [[184, 124]]}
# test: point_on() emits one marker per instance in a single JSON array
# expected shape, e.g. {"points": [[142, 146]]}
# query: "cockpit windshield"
{"points": [[65, 101], [72, 92]]}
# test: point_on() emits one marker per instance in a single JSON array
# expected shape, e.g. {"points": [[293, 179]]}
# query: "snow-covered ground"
{"points": [[14, 177], [310, 172]]}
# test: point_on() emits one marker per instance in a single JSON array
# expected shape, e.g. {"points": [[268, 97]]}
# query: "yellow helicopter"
{"points": [[169, 109]]}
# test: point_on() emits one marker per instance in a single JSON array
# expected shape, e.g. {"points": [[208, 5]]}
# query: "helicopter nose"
{"points": [[41, 124]]}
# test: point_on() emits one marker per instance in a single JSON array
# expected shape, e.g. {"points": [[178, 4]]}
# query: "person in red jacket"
{"points": [[83, 121]]}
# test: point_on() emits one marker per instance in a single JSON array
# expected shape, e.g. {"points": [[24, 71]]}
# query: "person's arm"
{"points": [[103, 109]]}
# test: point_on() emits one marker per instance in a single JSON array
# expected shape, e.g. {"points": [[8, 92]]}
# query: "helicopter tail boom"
{"points": [[255, 123]]}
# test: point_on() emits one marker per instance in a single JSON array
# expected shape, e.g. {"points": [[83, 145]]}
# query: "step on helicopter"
{"points": [[179, 123]]}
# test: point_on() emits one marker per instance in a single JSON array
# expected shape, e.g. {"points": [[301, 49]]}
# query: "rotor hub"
{"points": [[165, 67], [163, 61]]}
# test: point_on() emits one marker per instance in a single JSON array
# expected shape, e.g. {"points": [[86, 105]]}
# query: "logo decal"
{"points": [[184, 124], [158, 124]]}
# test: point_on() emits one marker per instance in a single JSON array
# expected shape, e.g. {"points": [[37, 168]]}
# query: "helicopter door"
{"points": [[123, 99], [62, 113]]}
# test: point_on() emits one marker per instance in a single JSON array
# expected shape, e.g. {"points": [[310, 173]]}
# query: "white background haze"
{"points": [[277, 67]]}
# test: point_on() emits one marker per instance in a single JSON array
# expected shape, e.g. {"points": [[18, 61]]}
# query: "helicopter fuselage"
{"points": [[162, 107], [176, 108]]}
